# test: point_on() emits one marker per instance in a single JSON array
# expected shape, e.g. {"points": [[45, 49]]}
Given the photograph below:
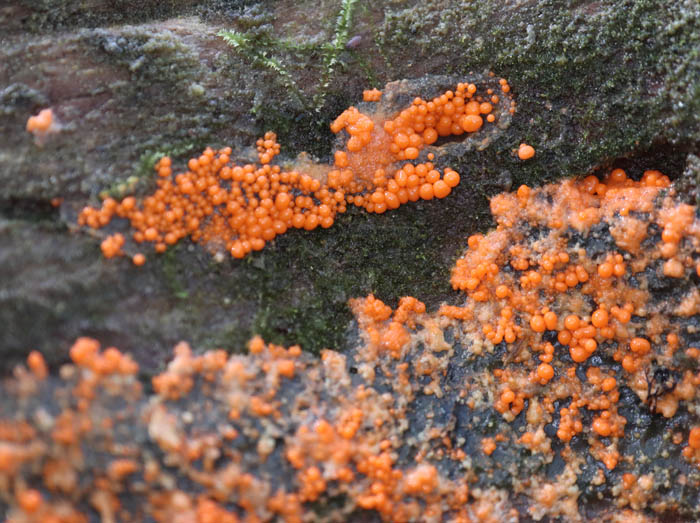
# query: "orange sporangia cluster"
{"points": [[112, 245], [374, 145], [371, 95], [392, 336], [235, 208], [556, 325], [239, 208], [478, 273], [85, 353], [346, 447], [533, 295]]}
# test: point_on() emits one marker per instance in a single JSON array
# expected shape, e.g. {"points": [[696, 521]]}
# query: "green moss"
{"points": [[259, 48], [174, 272], [310, 73], [304, 280], [593, 81]]}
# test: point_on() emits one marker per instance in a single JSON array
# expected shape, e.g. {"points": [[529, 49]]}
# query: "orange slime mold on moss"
{"points": [[554, 328], [239, 208]]}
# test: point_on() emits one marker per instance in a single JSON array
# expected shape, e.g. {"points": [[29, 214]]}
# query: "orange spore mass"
{"points": [[240, 208], [269, 434]]}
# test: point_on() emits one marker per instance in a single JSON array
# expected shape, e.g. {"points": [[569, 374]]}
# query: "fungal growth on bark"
{"points": [[576, 326], [385, 158]]}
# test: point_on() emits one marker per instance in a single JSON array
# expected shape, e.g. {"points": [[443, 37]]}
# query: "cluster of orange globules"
{"points": [[393, 336], [452, 113], [239, 209], [478, 273], [528, 283], [538, 292]]}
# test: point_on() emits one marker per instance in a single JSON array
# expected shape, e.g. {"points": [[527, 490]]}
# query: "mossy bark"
{"points": [[595, 83]]}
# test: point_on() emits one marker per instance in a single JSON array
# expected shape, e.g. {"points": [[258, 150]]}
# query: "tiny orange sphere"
{"points": [[599, 318], [525, 151], [545, 372], [430, 136], [471, 123], [578, 354], [354, 144], [451, 178], [608, 384], [37, 364], [602, 427], [426, 191], [411, 153], [571, 322], [485, 108], [605, 270], [550, 320], [537, 323], [508, 396], [640, 345], [441, 189]]}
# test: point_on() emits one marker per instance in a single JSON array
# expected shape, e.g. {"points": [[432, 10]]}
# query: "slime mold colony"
{"points": [[508, 404], [238, 208], [502, 406]]}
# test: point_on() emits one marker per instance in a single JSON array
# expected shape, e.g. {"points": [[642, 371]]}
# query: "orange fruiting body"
{"points": [[525, 151], [240, 208]]}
